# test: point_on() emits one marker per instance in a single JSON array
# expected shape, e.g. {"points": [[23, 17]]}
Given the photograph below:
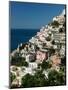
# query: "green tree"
{"points": [[48, 38], [40, 79], [53, 42], [45, 65], [12, 77], [18, 61], [56, 78], [55, 24], [27, 81]]}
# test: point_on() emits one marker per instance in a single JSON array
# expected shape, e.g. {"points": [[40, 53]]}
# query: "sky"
{"points": [[32, 15]]}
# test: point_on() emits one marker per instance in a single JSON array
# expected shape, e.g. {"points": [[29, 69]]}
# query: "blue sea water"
{"points": [[18, 36]]}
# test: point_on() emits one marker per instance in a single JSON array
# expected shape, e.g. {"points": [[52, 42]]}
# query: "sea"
{"points": [[18, 36]]}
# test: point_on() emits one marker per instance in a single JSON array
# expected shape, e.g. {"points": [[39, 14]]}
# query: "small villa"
{"points": [[40, 56]]}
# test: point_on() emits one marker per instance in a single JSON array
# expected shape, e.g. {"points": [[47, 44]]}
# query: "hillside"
{"points": [[41, 61]]}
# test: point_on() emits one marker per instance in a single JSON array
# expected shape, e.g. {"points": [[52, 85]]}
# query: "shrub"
{"points": [[55, 23], [27, 81], [53, 42], [48, 38], [51, 51], [45, 65], [18, 61], [12, 77], [61, 30], [56, 78]]}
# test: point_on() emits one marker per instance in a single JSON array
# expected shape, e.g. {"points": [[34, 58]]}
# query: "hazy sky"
{"points": [[32, 15]]}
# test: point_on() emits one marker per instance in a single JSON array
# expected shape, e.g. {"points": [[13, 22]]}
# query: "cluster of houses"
{"points": [[48, 44]]}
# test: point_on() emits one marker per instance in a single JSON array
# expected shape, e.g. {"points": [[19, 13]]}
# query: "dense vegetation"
{"points": [[34, 80], [39, 79], [18, 60], [12, 77], [44, 65]]}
